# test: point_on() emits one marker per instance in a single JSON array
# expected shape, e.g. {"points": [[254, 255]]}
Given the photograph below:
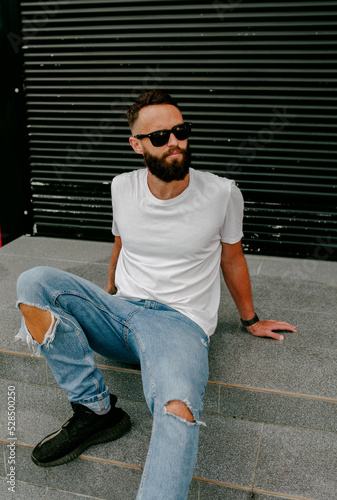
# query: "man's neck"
{"points": [[166, 190]]}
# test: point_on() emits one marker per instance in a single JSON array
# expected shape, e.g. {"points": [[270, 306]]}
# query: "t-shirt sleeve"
{"points": [[115, 230], [231, 231]]}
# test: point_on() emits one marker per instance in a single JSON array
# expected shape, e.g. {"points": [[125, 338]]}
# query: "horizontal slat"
{"points": [[193, 26], [59, 43], [110, 6], [203, 5], [129, 90], [30, 53], [190, 16]]}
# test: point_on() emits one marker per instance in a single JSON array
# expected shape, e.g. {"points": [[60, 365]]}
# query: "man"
{"points": [[174, 227]]}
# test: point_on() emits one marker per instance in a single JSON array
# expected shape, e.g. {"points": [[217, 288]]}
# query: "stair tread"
{"points": [[269, 406]]}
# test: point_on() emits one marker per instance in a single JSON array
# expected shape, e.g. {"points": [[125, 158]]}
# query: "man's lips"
{"points": [[174, 153]]}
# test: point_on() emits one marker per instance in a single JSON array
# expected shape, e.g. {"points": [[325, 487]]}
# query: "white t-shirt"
{"points": [[171, 248]]}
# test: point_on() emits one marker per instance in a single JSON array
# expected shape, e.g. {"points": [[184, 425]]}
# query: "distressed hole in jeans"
{"points": [[45, 338], [182, 410]]}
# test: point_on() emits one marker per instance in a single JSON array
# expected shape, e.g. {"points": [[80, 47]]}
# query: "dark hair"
{"points": [[147, 99]]}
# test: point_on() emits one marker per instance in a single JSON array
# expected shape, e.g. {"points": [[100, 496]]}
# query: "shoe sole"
{"points": [[100, 437]]}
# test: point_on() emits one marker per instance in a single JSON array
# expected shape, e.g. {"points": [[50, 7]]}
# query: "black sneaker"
{"points": [[82, 430]]}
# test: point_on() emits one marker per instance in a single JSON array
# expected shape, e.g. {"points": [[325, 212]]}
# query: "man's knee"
{"points": [[38, 321], [32, 279], [180, 409]]}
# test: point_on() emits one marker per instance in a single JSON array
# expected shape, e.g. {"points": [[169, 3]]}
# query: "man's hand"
{"points": [[267, 329]]}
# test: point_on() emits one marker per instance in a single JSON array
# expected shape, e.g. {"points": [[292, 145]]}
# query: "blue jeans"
{"points": [[171, 349]]}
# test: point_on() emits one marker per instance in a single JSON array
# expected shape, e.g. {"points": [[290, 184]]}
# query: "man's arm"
{"points": [[111, 286], [236, 275]]}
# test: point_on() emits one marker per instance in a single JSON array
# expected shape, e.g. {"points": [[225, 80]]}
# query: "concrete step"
{"points": [[225, 395], [238, 457], [270, 407]]}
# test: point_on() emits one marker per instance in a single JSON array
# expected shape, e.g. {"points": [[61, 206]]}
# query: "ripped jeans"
{"points": [[171, 349]]}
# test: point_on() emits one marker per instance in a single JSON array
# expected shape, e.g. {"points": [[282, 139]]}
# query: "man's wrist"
{"points": [[111, 288], [250, 322]]}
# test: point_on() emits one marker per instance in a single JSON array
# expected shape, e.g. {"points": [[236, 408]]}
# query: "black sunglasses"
{"points": [[161, 137]]}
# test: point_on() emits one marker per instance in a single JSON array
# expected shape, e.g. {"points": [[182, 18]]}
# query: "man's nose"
{"points": [[173, 141]]}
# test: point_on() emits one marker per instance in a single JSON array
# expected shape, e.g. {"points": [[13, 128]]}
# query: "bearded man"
{"points": [[175, 228]]}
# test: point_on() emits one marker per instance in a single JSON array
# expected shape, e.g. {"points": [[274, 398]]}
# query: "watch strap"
{"points": [[250, 322]]}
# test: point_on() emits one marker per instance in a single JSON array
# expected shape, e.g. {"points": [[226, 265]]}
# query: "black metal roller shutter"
{"points": [[256, 79]]}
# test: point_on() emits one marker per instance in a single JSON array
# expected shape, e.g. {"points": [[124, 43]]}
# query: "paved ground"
{"points": [[270, 407]]}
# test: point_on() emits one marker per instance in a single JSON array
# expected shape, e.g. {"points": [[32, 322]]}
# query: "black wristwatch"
{"points": [[250, 322]]}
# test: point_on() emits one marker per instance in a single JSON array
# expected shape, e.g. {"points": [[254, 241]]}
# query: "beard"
{"points": [[168, 171]]}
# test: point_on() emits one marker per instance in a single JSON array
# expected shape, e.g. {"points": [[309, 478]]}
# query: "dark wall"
{"points": [[256, 78], [14, 176]]}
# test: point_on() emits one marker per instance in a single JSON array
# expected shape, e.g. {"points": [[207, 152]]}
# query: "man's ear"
{"points": [[136, 145]]}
